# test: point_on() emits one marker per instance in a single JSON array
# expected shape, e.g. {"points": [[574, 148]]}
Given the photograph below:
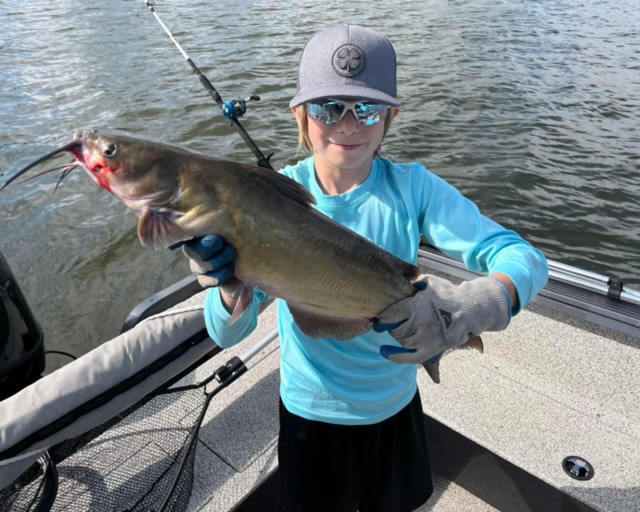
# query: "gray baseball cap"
{"points": [[347, 61]]}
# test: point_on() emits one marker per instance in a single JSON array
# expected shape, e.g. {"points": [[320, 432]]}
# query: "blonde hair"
{"points": [[303, 132]]}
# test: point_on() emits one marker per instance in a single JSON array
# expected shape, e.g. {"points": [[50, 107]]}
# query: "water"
{"points": [[529, 107]]}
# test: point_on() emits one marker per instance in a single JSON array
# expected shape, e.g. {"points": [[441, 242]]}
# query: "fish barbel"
{"points": [[335, 281]]}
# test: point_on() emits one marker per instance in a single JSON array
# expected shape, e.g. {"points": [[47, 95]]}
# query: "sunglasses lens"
{"points": [[323, 112], [331, 112], [370, 113]]}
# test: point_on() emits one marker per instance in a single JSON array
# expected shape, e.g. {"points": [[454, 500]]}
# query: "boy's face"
{"points": [[346, 145]]}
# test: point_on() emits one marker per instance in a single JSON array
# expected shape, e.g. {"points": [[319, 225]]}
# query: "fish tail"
{"points": [[433, 365], [433, 369]]}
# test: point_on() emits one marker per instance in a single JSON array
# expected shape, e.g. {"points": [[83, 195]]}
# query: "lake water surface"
{"points": [[531, 108]]}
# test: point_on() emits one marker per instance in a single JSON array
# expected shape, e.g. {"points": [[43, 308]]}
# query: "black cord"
{"points": [[50, 491], [61, 353]]}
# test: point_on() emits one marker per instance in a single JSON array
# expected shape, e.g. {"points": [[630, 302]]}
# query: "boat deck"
{"points": [[548, 387]]}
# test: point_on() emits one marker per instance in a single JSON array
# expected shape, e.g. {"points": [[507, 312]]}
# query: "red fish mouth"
{"points": [[76, 151]]}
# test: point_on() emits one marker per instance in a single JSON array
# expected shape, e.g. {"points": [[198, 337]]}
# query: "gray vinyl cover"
{"points": [[94, 373]]}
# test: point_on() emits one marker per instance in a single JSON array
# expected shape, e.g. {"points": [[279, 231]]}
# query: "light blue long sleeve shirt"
{"points": [[349, 382]]}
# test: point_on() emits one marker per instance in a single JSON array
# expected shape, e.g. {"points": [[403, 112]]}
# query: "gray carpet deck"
{"points": [[546, 388]]}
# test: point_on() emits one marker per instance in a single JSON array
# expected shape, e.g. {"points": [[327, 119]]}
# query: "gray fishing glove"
{"points": [[212, 259], [442, 315]]}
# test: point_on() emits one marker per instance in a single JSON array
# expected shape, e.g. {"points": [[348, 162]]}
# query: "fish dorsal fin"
{"points": [[290, 188], [156, 230]]}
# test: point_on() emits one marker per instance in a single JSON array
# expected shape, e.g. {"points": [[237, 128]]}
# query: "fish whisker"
{"points": [[64, 169], [74, 144]]}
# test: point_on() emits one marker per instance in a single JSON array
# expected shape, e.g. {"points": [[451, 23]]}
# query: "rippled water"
{"points": [[530, 107]]}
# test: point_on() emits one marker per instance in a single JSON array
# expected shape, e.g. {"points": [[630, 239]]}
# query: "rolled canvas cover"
{"points": [[95, 373]]}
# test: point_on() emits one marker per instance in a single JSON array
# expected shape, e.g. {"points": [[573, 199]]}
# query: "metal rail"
{"points": [[590, 281], [560, 272]]}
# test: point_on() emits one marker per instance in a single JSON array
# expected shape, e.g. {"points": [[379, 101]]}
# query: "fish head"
{"points": [[140, 173], [144, 175]]}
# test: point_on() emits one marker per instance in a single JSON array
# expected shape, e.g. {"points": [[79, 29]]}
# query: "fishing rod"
{"points": [[232, 110]]}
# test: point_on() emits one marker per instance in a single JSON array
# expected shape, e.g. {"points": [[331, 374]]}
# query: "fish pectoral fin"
{"points": [[244, 301], [318, 326], [157, 231]]}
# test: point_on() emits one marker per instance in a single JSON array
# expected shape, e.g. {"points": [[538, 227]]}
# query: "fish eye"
{"points": [[109, 150]]}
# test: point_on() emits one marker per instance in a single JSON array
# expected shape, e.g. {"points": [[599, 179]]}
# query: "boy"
{"points": [[351, 428]]}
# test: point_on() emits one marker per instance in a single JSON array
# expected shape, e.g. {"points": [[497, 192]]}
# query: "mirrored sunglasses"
{"points": [[333, 111]]}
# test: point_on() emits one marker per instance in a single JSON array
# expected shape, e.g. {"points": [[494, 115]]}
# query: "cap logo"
{"points": [[348, 60]]}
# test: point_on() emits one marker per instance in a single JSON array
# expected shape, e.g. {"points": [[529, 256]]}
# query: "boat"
{"points": [[545, 420]]}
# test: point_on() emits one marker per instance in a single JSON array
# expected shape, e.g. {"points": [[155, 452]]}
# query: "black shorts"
{"points": [[343, 468]]}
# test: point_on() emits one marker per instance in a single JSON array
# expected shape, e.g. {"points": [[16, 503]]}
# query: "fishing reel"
{"points": [[236, 108]]}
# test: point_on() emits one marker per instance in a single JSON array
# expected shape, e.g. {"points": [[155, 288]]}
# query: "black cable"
{"points": [[50, 490], [61, 353]]}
